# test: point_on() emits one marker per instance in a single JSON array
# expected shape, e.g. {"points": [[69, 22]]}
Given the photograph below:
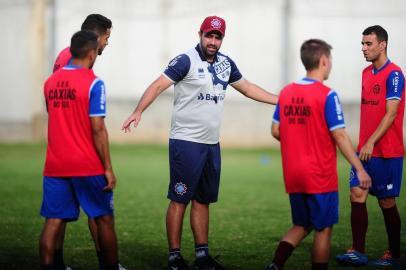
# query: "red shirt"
{"points": [[70, 150], [308, 149], [373, 108], [63, 59]]}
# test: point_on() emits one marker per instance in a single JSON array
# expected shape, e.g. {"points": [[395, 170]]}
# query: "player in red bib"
{"points": [[102, 27], [93, 22], [78, 169], [380, 148], [309, 123]]}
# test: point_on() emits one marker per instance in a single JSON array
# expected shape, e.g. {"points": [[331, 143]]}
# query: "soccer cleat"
{"points": [[208, 263], [272, 266], [386, 260], [120, 267], [352, 257], [178, 264]]}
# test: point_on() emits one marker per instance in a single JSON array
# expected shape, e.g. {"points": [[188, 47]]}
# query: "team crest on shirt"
{"points": [[180, 188], [376, 89]]}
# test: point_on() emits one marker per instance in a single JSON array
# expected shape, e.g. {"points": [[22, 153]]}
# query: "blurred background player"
{"points": [[380, 148], [201, 76], [93, 22], [309, 123], [102, 27], [78, 169]]}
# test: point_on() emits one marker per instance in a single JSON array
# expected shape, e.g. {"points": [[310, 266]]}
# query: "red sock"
{"points": [[359, 225], [282, 253], [392, 224]]}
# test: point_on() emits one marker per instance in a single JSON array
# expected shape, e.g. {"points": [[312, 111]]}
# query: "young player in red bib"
{"points": [[380, 148], [309, 123], [102, 27], [78, 170]]}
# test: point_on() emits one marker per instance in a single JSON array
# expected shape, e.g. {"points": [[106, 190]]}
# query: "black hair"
{"points": [[97, 23], [82, 43], [311, 52], [379, 31]]}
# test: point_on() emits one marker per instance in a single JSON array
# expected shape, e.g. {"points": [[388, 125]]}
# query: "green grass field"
{"points": [[246, 224]]}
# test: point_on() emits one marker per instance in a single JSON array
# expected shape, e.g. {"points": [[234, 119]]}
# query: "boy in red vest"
{"points": [[380, 148], [309, 123], [78, 170]]}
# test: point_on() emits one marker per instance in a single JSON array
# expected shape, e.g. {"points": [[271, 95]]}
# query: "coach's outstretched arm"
{"points": [[151, 93], [101, 142], [254, 92], [344, 144]]}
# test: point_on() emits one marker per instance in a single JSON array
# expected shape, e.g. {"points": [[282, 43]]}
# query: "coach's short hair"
{"points": [[379, 31], [82, 43], [97, 23], [311, 52]]}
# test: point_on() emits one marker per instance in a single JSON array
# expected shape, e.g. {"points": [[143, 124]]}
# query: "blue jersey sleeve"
{"points": [[97, 99], [235, 73], [395, 85], [276, 118], [333, 111], [178, 68]]}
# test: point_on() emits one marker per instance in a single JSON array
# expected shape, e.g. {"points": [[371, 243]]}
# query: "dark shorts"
{"points": [[386, 175], [194, 171], [62, 197], [317, 211]]}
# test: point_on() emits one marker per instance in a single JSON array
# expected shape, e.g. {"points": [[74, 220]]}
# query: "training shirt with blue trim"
{"points": [[199, 93], [73, 95], [307, 112], [332, 111]]}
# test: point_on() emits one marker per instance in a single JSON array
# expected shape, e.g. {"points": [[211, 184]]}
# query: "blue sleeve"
{"points": [[395, 85], [333, 112], [235, 73], [276, 118], [97, 99], [178, 68]]}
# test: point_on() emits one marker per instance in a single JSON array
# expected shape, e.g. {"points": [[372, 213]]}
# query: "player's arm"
{"points": [[101, 143], [151, 93], [391, 111], [394, 85], [254, 92], [275, 123], [176, 71], [344, 144]]}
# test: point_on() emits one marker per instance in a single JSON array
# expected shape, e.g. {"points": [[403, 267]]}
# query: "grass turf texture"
{"points": [[246, 224]]}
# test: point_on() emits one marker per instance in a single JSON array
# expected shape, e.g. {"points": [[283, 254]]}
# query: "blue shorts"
{"points": [[194, 171], [386, 175], [62, 197], [317, 211]]}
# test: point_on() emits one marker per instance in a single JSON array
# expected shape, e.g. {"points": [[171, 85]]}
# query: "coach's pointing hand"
{"points": [[134, 117], [111, 180]]}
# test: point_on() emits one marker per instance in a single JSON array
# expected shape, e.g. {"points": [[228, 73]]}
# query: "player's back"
{"points": [[70, 150], [308, 149]]}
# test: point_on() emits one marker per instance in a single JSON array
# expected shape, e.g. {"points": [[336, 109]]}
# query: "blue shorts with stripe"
{"points": [[62, 197], [386, 175], [194, 171], [318, 211]]}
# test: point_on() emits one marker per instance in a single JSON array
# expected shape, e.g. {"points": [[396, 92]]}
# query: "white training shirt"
{"points": [[200, 90]]}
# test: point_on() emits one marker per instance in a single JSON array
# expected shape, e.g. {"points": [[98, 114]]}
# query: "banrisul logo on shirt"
{"points": [[103, 98]]}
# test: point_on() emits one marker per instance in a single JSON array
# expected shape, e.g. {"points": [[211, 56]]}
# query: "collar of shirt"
{"points": [[202, 56], [375, 71], [71, 66]]}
